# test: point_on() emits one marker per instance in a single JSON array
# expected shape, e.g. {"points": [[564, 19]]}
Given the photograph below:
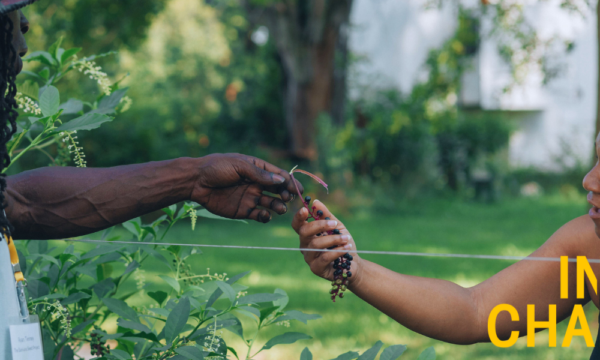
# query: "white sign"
{"points": [[26, 342]]}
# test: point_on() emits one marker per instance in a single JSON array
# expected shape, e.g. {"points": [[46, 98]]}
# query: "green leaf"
{"points": [[109, 103], [120, 354], [232, 280], [282, 303], [69, 54], [206, 214], [134, 326], [190, 352], [88, 121], [265, 312], [77, 329], [41, 56], [372, 352], [170, 210], [44, 74], [258, 298], [228, 290], [47, 258], [287, 338], [50, 101], [298, 315], [30, 89], [177, 319], [53, 49], [392, 352], [158, 296], [120, 308], [174, 283], [427, 354], [72, 106], [74, 298], [306, 354], [350, 355], [160, 311]]}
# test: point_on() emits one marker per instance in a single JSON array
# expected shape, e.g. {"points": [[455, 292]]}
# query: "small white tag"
{"points": [[26, 342]]}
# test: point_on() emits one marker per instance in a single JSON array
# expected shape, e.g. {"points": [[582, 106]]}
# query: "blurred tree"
{"points": [[311, 40], [96, 25]]}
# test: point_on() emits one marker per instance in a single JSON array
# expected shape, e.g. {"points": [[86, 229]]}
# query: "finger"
{"points": [[328, 257], [325, 242], [299, 219], [260, 215], [322, 264], [288, 185], [326, 213], [272, 203], [253, 173], [317, 227], [286, 196]]}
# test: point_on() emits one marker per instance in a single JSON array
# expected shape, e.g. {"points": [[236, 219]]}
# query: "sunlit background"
{"points": [[441, 126]]}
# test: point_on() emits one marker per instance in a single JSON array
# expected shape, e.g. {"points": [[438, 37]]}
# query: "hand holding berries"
{"points": [[323, 234]]}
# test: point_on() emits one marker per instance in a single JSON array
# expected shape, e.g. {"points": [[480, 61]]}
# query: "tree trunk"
{"points": [[311, 40]]}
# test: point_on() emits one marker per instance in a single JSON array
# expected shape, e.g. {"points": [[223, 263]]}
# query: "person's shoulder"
{"points": [[578, 237]]}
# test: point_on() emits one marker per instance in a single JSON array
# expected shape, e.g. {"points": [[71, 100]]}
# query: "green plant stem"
{"points": [[35, 142], [16, 143]]}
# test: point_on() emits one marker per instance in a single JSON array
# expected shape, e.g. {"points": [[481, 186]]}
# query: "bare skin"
{"points": [[50, 203], [446, 311]]}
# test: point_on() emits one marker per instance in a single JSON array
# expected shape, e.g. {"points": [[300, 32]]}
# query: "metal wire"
{"points": [[372, 252]]}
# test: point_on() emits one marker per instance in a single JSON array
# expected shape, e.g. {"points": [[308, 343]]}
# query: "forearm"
{"points": [[435, 308], [59, 202]]}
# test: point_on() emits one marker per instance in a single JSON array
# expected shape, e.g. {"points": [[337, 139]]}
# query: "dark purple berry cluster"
{"points": [[341, 265], [340, 276], [98, 346]]}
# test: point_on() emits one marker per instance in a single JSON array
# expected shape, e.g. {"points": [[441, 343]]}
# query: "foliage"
{"points": [[77, 293], [53, 127], [399, 139]]}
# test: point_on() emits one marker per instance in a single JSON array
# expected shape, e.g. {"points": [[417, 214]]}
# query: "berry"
{"points": [[319, 213], [341, 295], [349, 274], [336, 232], [347, 256], [307, 199], [327, 218], [338, 281], [319, 234]]}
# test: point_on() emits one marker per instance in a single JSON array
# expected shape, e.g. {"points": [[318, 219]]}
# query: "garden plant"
{"points": [[78, 293]]}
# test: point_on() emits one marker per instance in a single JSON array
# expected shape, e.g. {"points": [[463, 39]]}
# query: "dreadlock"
{"points": [[8, 106]]}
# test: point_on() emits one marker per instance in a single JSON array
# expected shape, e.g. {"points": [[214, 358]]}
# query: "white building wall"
{"points": [[553, 122]]}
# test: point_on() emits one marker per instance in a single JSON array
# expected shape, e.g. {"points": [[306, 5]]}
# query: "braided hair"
{"points": [[8, 106]]}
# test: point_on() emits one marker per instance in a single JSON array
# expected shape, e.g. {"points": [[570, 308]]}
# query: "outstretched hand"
{"points": [[321, 262], [232, 186]]}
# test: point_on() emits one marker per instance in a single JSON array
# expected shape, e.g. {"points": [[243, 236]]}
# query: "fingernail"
{"points": [[347, 247], [278, 179], [345, 238], [332, 223]]}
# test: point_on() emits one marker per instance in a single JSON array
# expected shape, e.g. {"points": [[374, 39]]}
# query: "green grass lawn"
{"points": [[510, 227]]}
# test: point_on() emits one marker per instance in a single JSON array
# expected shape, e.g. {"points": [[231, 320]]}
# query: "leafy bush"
{"points": [[77, 293]]}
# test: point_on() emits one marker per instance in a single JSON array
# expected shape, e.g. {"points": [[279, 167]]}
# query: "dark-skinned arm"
{"points": [[59, 202]]}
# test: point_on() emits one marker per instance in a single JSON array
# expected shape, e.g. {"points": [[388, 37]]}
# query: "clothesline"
{"points": [[372, 252]]}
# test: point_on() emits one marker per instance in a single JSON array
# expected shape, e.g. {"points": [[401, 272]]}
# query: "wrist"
{"points": [[357, 276], [190, 170]]}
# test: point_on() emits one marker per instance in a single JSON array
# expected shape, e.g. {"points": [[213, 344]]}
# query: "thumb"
{"points": [[260, 176], [326, 213]]}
